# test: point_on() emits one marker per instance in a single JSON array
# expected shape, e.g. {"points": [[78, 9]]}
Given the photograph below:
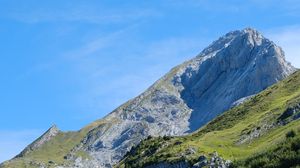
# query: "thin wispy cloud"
{"points": [[211, 5], [287, 4], [97, 43], [287, 7], [99, 62], [157, 59], [79, 54], [79, 13]]}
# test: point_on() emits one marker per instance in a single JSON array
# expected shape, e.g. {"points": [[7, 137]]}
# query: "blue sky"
{"points": [[71, 62]]}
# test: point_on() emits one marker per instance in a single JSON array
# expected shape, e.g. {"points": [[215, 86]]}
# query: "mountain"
{"points": [[229, 71], [262, 132], [47, 136]]}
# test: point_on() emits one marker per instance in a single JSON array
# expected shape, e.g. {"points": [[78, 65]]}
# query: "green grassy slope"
{"points": [[266, 113], [284, 154], [53, 152]]}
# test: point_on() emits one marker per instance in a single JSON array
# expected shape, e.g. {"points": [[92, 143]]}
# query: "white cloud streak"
{"points": [[145, 67], [79, 13]]}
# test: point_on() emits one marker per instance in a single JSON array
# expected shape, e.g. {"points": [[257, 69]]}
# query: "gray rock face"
{"points": [[239, 64]]}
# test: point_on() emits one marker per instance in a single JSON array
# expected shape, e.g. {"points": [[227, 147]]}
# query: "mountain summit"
{"points": [[236, 66], [239, 64]]}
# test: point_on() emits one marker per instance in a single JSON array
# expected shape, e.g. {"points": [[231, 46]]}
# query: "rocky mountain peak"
{"points": [[51, 132], [247, 36], [47, 136], [53, 129], [237, 65]]}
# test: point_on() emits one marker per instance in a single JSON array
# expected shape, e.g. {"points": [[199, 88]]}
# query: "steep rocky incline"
{"points": [[239, 64], [264, 131]]}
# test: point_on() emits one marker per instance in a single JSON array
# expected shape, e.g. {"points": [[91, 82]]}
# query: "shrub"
{"points": [[291, 134]]}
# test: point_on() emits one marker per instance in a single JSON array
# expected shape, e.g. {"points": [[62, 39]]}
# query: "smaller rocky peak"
{"points": [[53, 130], [47, 136]]}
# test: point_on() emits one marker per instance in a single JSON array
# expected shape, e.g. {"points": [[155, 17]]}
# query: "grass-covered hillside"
{"points": [[251, 135], [54, 152], [284, 154]]}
